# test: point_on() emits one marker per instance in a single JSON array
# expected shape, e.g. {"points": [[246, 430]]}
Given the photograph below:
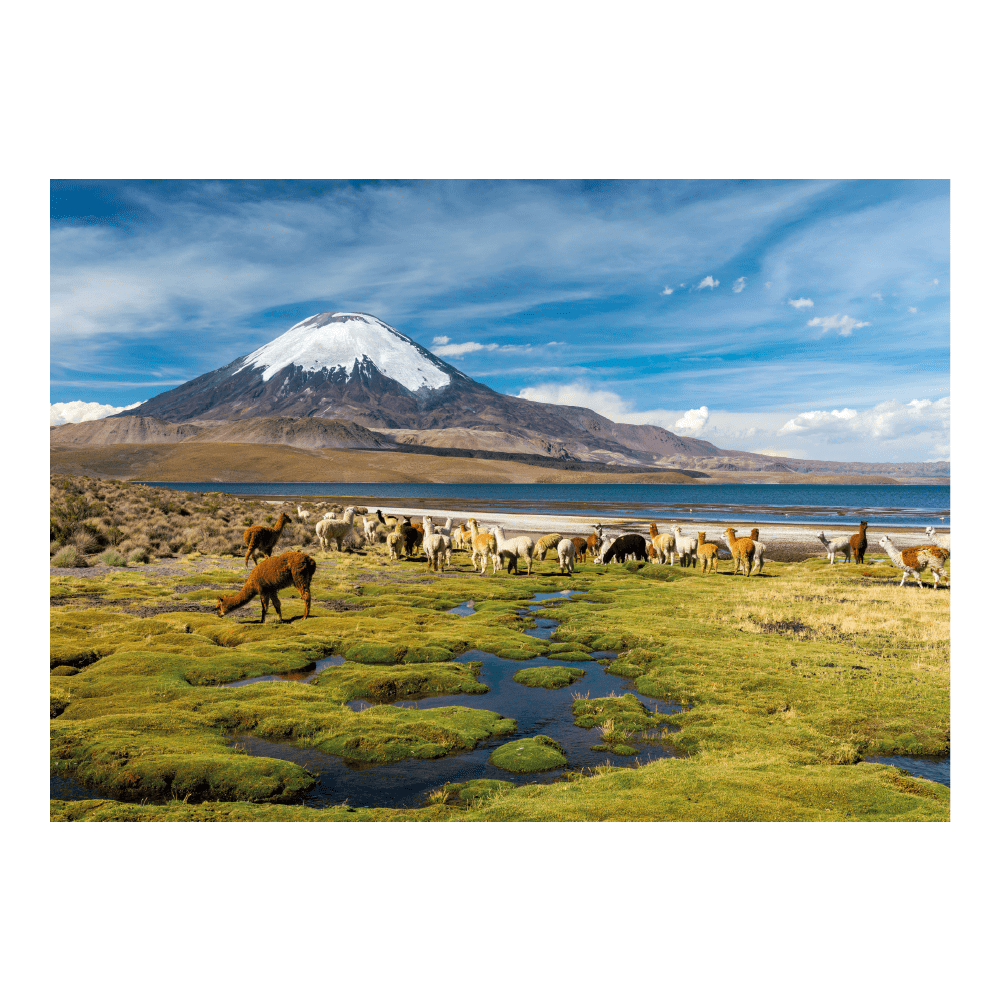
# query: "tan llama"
{"points": [[261, 539], [707, 554], [267, 578], [742, 550]]}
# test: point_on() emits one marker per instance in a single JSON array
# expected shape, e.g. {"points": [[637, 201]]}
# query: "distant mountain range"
{"points": [[348, 380]]}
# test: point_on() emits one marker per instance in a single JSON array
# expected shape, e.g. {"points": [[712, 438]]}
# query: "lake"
{"points": [[912, 506]]}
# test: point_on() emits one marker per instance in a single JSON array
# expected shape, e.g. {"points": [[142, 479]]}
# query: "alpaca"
{"points": [[260, 538], [630, 545], [742, 551], [437, 547], [594, 540], [371, 529], [520, 545], [484, 544], [331, 530], [462, 536], [916, 558], [545, 543], [303, 513], [707, 554], [941, 541], [663, 544], [841, 544], [859, 543], [566, 551], [394, 540], [580, 545], [411, 537], [686, 548], [292, 569], [758, 550]]}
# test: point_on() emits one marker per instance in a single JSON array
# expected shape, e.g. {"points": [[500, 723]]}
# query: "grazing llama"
{"points": [[707, 554], [566, 551], [437, 546], [742, 550], [621, 549], [580, 545], [545, 543], [859, 543], [841, 544], [916, 558], [520, 546], [267, 578], [260, 538]]}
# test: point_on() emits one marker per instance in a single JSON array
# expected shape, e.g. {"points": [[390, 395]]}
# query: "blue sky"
{"points": [[807, 318]]}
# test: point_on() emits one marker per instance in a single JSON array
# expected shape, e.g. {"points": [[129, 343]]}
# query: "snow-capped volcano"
{"points": [[336, 341]]}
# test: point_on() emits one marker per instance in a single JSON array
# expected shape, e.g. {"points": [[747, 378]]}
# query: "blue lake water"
{"points": [[885, 505]]}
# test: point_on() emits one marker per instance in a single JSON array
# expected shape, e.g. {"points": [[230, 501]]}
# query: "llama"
{"points": [[663, 543], [520, 545], [758, 550], [394, 540], [437, 547], [303, 513], [371, 529], [707, 554], [260, 538], [336, 530], [686, 548], [941, 541], [630, 545], [484, 544], [742, 551], [859, 543], [411, 537], [545, 543], [841, 544], [292, 569], [566, 551], [580, 545], [916, 558], [594, 540]]}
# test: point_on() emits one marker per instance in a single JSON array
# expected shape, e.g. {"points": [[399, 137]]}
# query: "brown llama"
{"points": [[260, 538], [742, 550], [267, 578], [707, 554], [580, 545], [859, 543]]}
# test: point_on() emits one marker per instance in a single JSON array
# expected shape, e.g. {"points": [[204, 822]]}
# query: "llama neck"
{"points": [[231, 601]]}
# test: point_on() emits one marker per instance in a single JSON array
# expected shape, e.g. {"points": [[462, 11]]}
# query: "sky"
{"points": [[807, 318]]}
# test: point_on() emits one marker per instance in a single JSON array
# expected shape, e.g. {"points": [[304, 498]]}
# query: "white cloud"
{"points": [[842, 324], [78, 411], [439, 341], [467, 347], [888, 421], [911, 309], [739, 285], [668, 290], [693, 420], [877, 295], [709, 282], [801, 303]]}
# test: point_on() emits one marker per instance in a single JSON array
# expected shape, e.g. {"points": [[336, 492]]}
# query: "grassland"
{"points": [[789, 679]]}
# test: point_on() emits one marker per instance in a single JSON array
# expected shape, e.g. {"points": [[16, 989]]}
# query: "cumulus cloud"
{"points": [[911, 309], [886, 421], [78, 411], [801, 303], [842, 324], [693, 420], [667, 290], [708, 282], [457, 350], [739, 285]]}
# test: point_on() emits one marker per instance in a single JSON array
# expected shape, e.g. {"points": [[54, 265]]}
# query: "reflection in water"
{"points": [[304, 676]]}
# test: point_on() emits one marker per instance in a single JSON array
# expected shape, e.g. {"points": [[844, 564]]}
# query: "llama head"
{"points": [[283, 519], [220, 607]]}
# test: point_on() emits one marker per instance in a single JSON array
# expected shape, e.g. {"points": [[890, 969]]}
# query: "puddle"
{"points": [[63, 788], [537, 711], [301, 676], [935, 769], [466, 608]]}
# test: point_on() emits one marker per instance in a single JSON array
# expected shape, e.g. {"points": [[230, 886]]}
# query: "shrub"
{"points": [[69, 556], [138, 555], [113, 558]]}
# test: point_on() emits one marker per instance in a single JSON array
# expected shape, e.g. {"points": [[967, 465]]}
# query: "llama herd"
{"points": [[490, 547]]}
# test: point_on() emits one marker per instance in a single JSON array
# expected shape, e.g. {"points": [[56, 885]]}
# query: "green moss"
{"points": [[548, 676], [374, 684], [532, 754]]}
